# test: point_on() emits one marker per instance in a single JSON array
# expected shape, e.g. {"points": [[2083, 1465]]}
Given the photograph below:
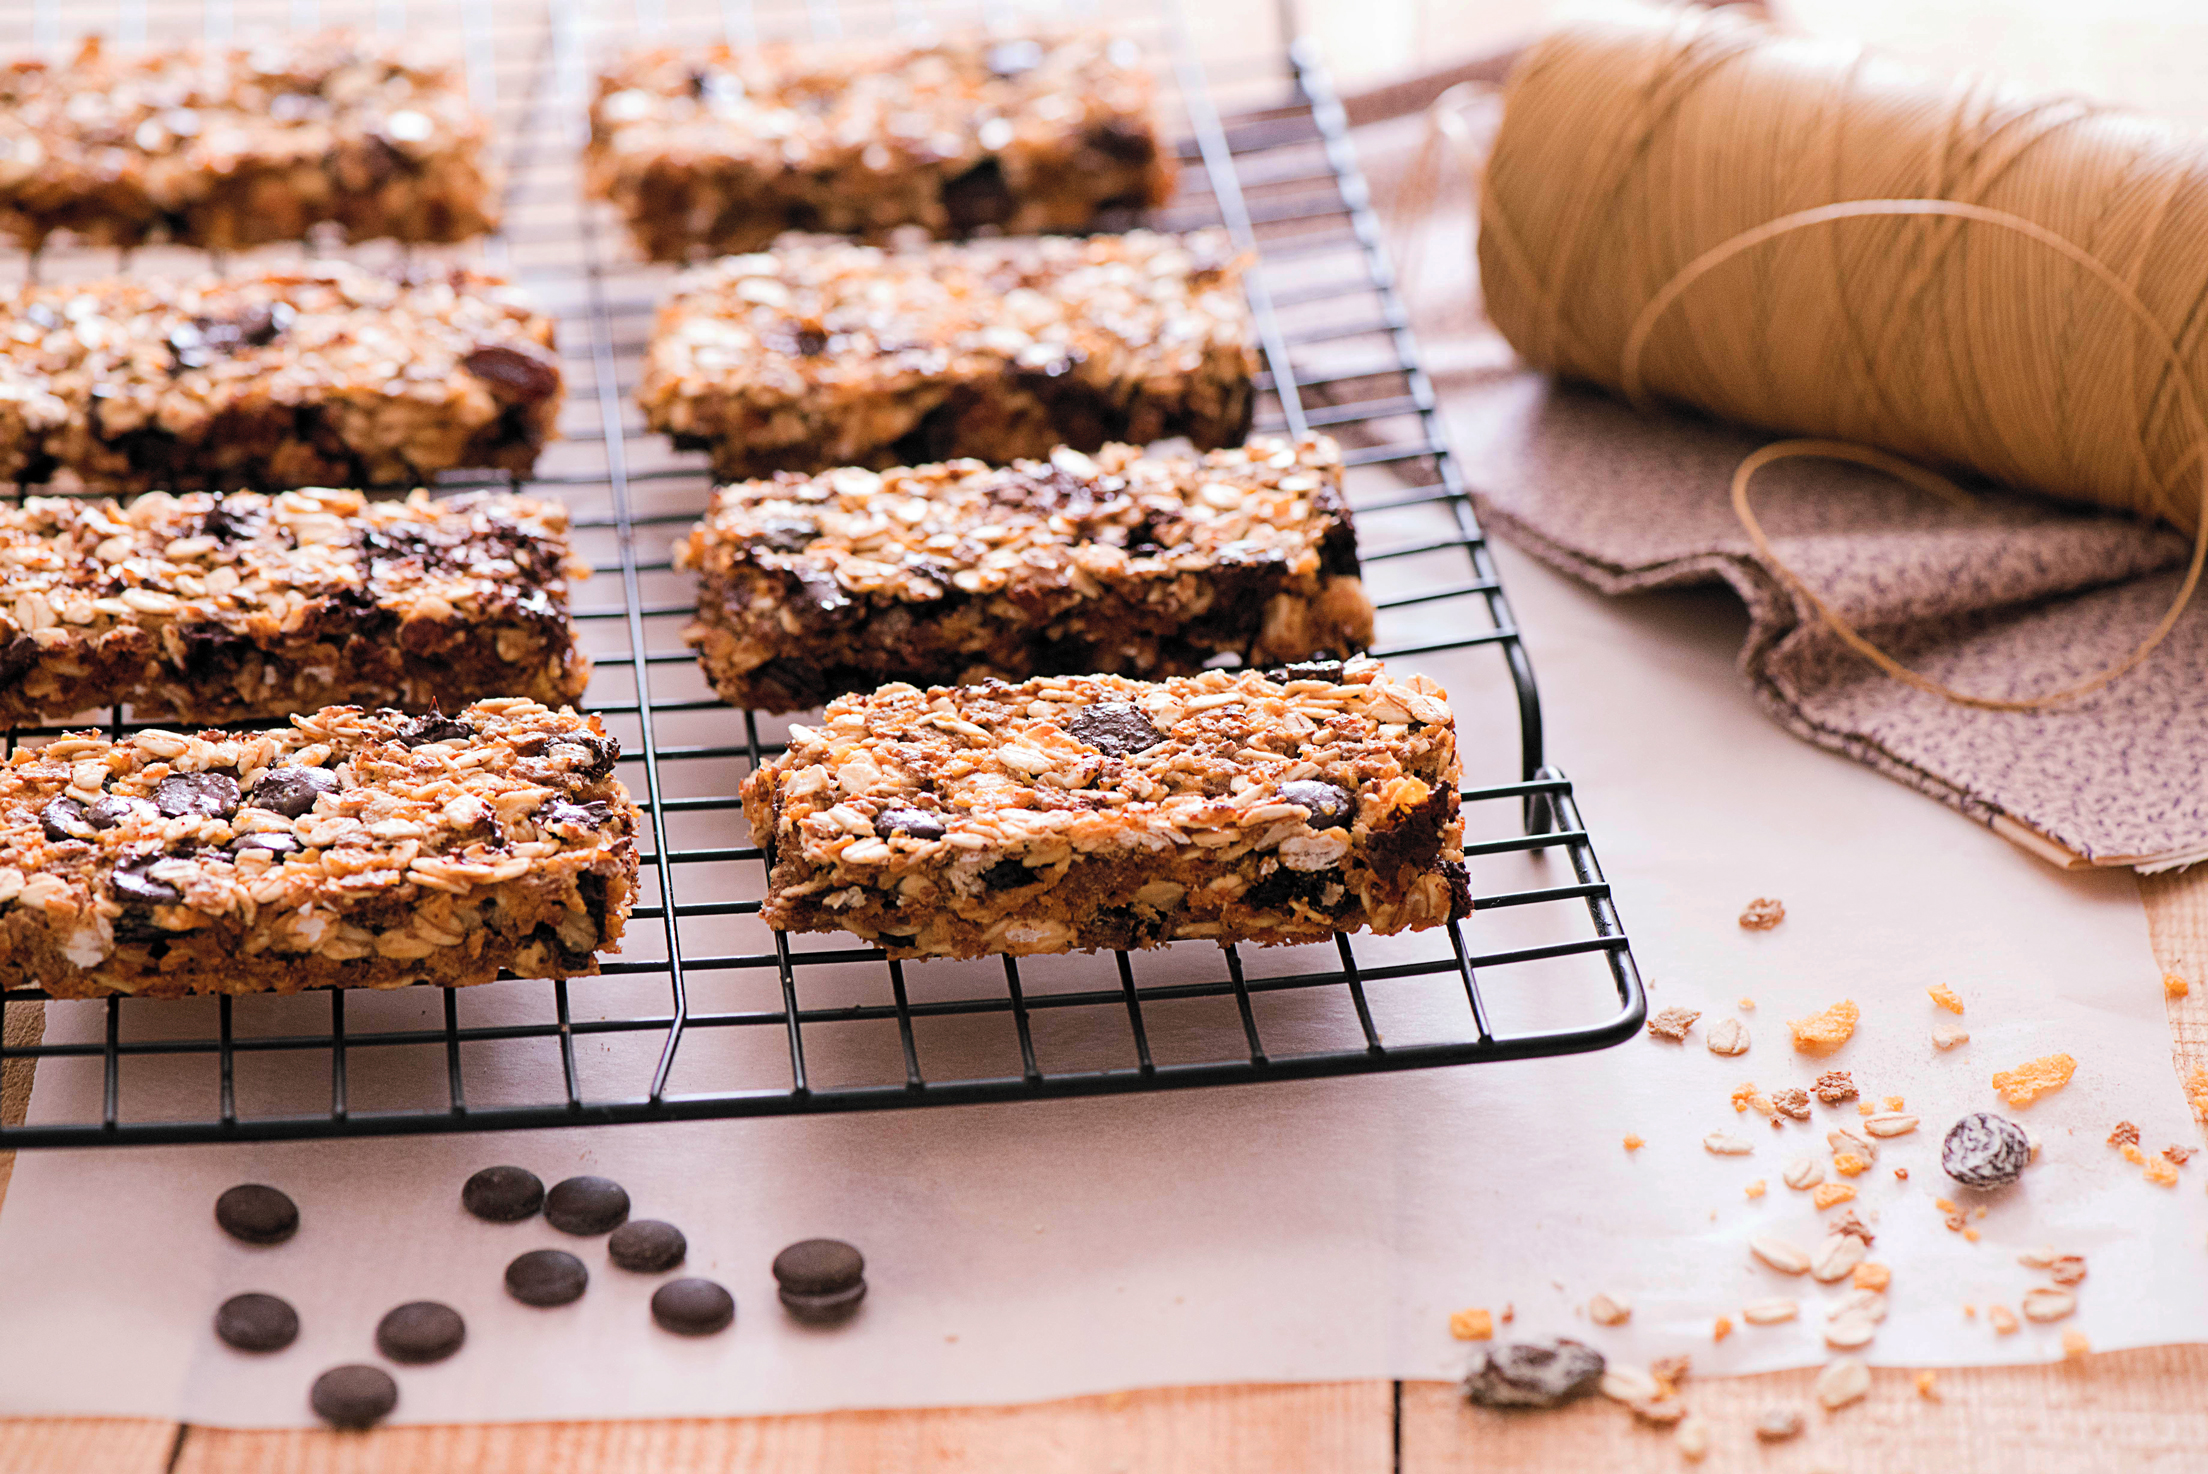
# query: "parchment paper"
{"points": [[1273, 1233]]}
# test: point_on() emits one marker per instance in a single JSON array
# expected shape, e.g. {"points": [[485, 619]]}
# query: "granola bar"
{"points": [[952, 574], [317, 375], [219, 608], [721, 150], [824, 354], [226, 147], [1097, 811], [350, 849]]}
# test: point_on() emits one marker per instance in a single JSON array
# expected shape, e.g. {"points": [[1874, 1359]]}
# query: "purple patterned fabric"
{"points": [[2017, 596]]}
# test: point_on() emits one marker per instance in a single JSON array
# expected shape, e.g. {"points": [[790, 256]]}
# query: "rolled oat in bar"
{"points": [[953, 574], [223, 608], [1083, 812], [351, 849], [825, 354], [227, 147], [319, 375], [717, 149]]}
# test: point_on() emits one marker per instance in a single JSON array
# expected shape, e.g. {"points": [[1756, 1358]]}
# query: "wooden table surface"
{"points": [[2126, 1411]]}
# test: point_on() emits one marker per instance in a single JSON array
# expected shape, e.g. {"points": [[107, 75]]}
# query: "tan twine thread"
{"points": [[1643, 152]]}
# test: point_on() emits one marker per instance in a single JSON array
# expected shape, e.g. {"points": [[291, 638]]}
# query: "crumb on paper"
{"points": [[2003, 1319], [1744, 1092], [1872, 1275], [1849, 1223], [1825, 1194], [1947, 1036], [1722, 1329], [1670, 1371], [1821, 1033], [1672, 1023], [2178, 1156], [1835, 1086], [2069, 1269], [1895, 1103], [1970, 1235], [2034, 1078], [1755, 1189], [1970, 1312], [1510, 1312], [1762, 914], [1472, 1325], [1848, 1164], [1946, 997], [1633, 1143], [2125, 1134], [1793, 1102], [2074, 1345], [2133, 1155], [1945, 1206], [1928, 1386], [2174, 985], [1865, 1108], [1747, 1004], [1901, 1174], [1609, 1310], [2160, 1172]]}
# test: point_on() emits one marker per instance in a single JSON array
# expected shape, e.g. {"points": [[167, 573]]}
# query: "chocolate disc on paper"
{"points": [[503, 1194], [420, 1331], [693, 1307], [647, 1246], [257, 1213], [586, 1205], [257, 1322], [547, 1277], [354, 1396]]}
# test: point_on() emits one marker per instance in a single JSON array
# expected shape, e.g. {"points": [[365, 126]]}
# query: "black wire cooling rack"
{"points": [[707, 1013]]}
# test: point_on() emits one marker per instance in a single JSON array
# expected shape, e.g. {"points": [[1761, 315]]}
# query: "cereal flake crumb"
{"points": [[1633, 1143], [1743, 1093], [1928, 1386], [2161, 1173], [2125, 1134], [1472, 1325], [2034, 1078], [1670, 1371], [2003, 1319], [1835, 1086], [1895, 1103], [1672, 1023], [1747, 1004], [2074, 1345], [1970, 1235], [1762, 914], [2174, 985], [1755, 1189], [2133, 1155], [1946, 997], [1821, 1033], [1722, 1329], [1848, 1164], [1825, 1194]]}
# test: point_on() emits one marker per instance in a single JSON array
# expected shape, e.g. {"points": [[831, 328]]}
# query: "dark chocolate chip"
{"points": [[435, 727], [978, 197], [914, 823], [1983, 1150], [111, 809], [208, 795], [275, 844], [586, 1205], [291, 791], [819, 1267], [647, 1246], [693, 1307], [1123, 143], [256, 1322], [503, 1194], [560, 814], [547, 1277], [1532, 1373], [1273, 892], [1011, 58], [785, 534], [1007, 875], [133, 887], [1331, 807], [354, 1396], [590, 755], [1114, 728], [256, 1213], [19, 656], [1306, 670], [420, 1331], [823, 1309], [65, 818], [512, 374]]}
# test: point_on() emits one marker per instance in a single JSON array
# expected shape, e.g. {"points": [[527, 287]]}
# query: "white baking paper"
{"points": [[1273, 1233]]}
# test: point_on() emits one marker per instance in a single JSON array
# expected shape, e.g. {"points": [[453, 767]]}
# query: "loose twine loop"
{"points": [[1646, 72]]}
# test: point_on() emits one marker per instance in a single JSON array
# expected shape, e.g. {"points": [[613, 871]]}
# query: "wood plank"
{"points": [[1327, 1428], [85, 1445]]}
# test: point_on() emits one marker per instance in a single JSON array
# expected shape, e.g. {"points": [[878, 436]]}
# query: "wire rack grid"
{"points": [[707, 1013]]}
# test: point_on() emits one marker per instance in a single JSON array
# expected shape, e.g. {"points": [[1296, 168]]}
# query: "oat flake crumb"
{"points": [[1837, 1086], [2002, 1318], [1792, 1102], [1821, 1033], [1472, 1325], [1762, 914], [1672, 1023], [2074, 1345], [2125, 1134], [2068, 1270], [2178, 1155], [1947, 1036], [1608, 1310], [2034, 1078]]}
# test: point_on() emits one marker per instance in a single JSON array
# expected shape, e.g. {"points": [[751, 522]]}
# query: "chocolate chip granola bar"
{"points": [[351, 849], [1096, 811], [824, 354], [219, 608], [952, 574], [322, 374], [226, 147], [721, 150]]}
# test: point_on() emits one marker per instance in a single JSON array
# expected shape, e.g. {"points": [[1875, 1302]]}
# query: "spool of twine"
{"points": [[1911, 271]]}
